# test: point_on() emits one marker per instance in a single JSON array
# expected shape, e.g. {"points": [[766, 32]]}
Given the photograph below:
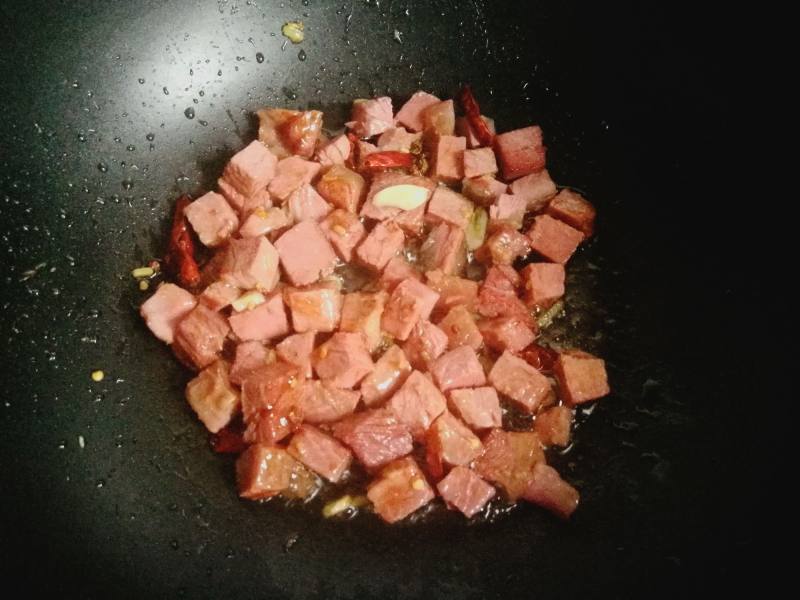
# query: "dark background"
{"points": [[637, 104]]}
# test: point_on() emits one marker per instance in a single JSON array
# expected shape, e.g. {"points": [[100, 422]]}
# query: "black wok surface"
{"points": [[94, 147]]}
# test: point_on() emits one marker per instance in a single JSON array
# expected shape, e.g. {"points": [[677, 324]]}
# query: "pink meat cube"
{"points": [[251, 169], [439, 118], [342, 188], [503, 246], [552, 426], [390, 372], [417, 404], [269, 389], [219, 294], [343, 360], [498, 295], [398, 140], [212, 396], [581, 377], [263, 471], [344, 231], [305, 253], [410, 302], [509, 208], [361, 313], [425, 344], [520, 152], [336, 152], [320, 452], [450, 443], [286, 132], [212, 219], [314, 308], [574, 210], [461, 330], [400, 490], [241, 203], [480, 161], [199, 336], [388, 179], [458, 368], [453, 291], [544, 283], [506, 333], [296, 350], [554, 240], [483, 190], [164, 310], [250, 356], [444, 249], [411, 222], [515, 378], [305, 204], [290, 174], [465, 491], [508, 459], [478, 407], [265, 221], [375, 436], [447, 160], [464, 128], [382, 243], [410, 114], [251, 263], [371, 117], [536, 189], [324, 403], [548, 490], [449, 206], [264, 322], [396, 270]]}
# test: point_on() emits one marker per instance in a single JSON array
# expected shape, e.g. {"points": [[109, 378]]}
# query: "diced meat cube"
{"points": [[305, 253], [554, 240], [219, 294], [425, 344], [250, 356], [212, 396], [272, 403], [382, 243], [371, 117], [320, 452], [417, 404], [389, 179], [498, 295], [314, 308], [453, 291], [164, 310], [458, 368], [396, 270], [536, 189], [343, 360], [450, 443], [464, 128], [544, 283], [264, 322], [480, 161], [212, 219], [400, 490], [574, 210], [449, 206], [375, 436], [410, 302], [548, 490], [484, 190], [503, 246], [397, 139], [251, 169], [342, 187], [263, 221], [241, 203], [344, 231], [251, 263], [364, 149], [410, 114], [324, 403], [552, 426], [296, 350], [515, 378], [478, 407], [447, 160], [520, 152], [509, 459], [506, 333], [390, 372], [509, 208], [286, 132], [581, 377], [361, 313], [305, 204], [439, 118], [336, 152], [444, 249], [461, 330], [465, 491], [263, 471], [199, 336], [290, 174]]}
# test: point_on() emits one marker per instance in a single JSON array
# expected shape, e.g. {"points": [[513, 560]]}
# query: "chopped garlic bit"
{"points": [[98, 375], [143, 272], [144, 285], [248, 300], [418, 484], [476, 229], [340, 505], [81, 442], [546, 318], [294, 30], [405, 196]]}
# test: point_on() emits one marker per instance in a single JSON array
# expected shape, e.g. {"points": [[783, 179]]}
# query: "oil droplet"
{"points": [[189, 112], [174, 544], [165, 90], [103, 167], [141, 80], [219, 73], [127, 184], [150, 137], [76, 84], [100, 483], [302, 54], [130, 148], [259, 57], [203, 123], [81, 137]]}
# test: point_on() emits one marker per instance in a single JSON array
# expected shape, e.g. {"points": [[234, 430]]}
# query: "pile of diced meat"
{"points": [[371, 303]]}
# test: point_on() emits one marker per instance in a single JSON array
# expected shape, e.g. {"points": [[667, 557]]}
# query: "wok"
{"points": [[110, 488]]}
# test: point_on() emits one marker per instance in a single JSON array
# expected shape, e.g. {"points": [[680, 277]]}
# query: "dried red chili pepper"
{"points": [[540, 357], [180, 253], [228, 440], [473, 113], [389, 159]]}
